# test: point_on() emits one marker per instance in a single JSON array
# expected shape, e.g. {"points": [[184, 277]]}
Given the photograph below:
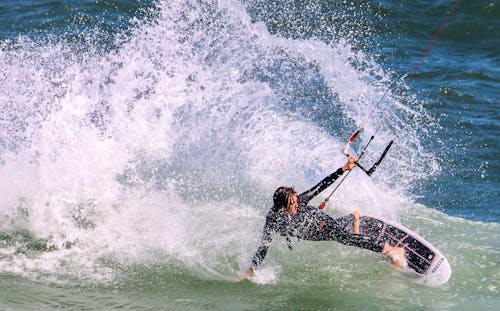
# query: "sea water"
{"points": [[141, 142]]}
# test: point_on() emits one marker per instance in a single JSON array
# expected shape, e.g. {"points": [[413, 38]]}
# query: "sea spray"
{"points": [[167, 149]]}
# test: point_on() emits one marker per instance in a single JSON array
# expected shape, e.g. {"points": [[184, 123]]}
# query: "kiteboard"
{"points": [[421, 256]]}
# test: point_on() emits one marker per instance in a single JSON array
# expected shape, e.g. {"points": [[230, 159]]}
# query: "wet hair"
{"points": [[282, 198]]}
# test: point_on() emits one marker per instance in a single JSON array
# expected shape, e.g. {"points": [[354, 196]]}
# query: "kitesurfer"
{"points": [[291, 216]]}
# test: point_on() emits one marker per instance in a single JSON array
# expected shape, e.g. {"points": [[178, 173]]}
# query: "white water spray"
{"points": [[169, 147]]}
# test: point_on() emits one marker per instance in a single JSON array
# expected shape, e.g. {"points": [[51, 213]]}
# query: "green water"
{"points": [[315, 276]]}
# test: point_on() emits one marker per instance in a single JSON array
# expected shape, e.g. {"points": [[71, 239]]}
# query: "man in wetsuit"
{"points": [[290, 216]]}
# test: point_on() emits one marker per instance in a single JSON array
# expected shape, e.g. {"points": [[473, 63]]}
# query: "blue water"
{"points": [[140, 142], [457, 82]]}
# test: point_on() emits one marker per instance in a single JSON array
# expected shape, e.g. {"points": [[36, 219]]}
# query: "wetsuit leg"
{"points": [[341, 230]]}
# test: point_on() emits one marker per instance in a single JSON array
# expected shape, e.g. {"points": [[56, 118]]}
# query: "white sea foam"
{"points": [[169, 147]]}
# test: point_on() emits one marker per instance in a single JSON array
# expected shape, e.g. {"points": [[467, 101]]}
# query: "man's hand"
{"points": [[246, 276], [351, 163]]}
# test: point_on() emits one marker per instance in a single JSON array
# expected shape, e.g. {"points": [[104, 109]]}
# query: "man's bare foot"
{"points": [[397, 255], [356, 221]]}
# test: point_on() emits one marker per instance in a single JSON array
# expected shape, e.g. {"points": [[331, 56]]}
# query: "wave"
{"points": [[167, 147]]}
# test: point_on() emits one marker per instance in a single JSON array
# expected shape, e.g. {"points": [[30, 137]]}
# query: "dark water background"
{"points": [[458, 81]]}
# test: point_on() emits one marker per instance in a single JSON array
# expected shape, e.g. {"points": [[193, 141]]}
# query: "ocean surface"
{"points": [[141, 142]]}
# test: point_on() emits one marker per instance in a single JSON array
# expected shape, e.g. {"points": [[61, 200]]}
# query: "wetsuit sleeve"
{"points": [[267, 237], [322, 185]]}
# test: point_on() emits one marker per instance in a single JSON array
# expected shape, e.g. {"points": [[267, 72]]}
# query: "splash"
{"points": [[166, 148]]}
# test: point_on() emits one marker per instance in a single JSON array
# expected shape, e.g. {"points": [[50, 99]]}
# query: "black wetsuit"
{"points": [[309, 223]]}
